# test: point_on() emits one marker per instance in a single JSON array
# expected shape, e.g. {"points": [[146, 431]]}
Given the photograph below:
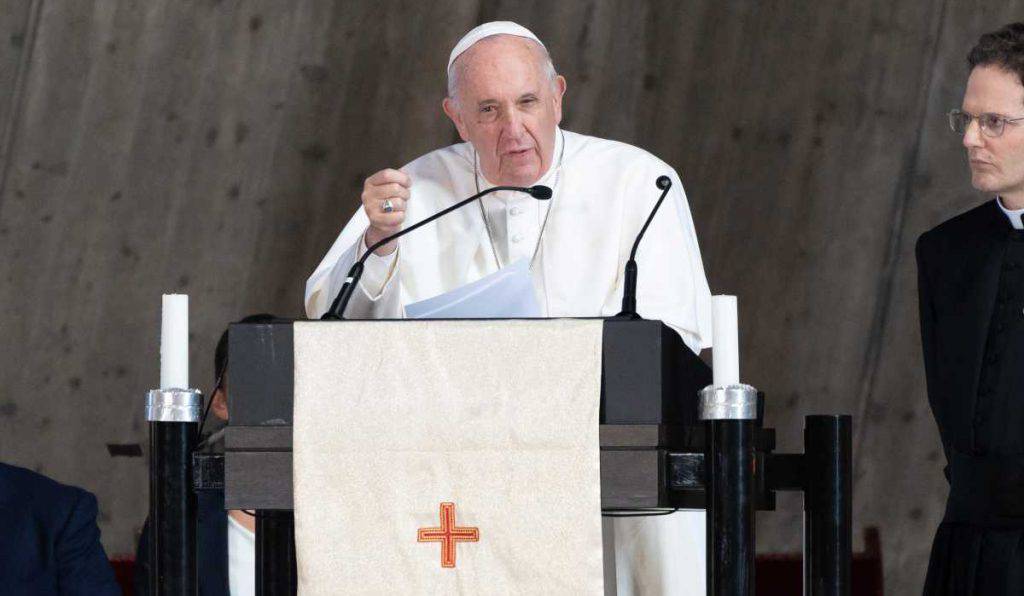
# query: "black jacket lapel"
{"points": [[981, 265]]}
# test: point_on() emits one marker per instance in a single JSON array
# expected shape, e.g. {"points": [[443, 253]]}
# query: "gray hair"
{"points": [[455, 72]]}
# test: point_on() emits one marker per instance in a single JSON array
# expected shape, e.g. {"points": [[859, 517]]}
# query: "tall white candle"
{"points": [[174, 342], [725, 353]]}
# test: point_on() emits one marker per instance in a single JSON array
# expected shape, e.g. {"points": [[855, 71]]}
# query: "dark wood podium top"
{"points": [[649, 376], [649, 386]]}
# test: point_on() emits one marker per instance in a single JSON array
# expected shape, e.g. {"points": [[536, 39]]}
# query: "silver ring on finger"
{"points": [[387, 206]]}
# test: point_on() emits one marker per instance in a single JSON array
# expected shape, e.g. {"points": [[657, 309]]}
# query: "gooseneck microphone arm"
{"points": [[337, 310], [629, 283]]}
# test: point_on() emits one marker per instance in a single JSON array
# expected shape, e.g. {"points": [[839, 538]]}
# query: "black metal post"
{"points": [[828, 505], [730, 418], [729, 466], [173, 427], [276, 574]]}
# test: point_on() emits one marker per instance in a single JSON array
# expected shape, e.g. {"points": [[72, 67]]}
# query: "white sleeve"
{"points": [[379, 292], [377, 271], [691, 315], [671, 285]]}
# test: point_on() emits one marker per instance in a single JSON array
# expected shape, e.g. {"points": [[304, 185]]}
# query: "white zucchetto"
{"points": [[486, 30]]}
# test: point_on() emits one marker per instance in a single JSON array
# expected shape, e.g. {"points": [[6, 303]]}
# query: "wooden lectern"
{"points": [[652, 452], [650, 381]]}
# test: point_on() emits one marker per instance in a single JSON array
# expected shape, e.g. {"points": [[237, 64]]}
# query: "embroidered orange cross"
{"points": [[448, 534]]}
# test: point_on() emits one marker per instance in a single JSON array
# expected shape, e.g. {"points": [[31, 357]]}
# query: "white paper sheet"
{"points": [[504, 294]]}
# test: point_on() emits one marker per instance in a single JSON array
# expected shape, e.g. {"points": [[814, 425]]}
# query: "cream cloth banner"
{"points": [[396, 420]]}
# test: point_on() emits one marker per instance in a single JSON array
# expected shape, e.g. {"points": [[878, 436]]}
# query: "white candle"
{"points": [[725, 353], [174, 342]]}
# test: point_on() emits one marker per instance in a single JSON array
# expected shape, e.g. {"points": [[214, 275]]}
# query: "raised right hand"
{"points": [[391, 185]]}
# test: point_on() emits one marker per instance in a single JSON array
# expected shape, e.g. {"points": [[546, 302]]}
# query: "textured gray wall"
{"points": [[216, 148]]}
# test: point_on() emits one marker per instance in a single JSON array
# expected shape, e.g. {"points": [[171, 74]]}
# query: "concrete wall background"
{"points": [[215, 147]]}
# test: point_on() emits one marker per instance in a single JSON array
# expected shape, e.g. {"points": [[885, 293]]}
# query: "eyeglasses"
{"points": [[992, 125]]}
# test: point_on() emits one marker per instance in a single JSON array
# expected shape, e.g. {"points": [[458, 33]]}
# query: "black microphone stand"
{"points": [[337, 310], [629, 283]]}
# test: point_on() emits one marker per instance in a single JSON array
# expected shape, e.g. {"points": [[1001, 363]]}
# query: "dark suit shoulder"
{"points": [[985, 218], [979, 217], [26, 487], [50, 537]]}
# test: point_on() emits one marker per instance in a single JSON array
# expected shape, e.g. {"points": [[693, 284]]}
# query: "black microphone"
{"points": [[337, 310], [629, 284]]}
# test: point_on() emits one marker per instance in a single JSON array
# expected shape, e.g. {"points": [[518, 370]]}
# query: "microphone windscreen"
{"points": [[663, 182], [542, 193]]}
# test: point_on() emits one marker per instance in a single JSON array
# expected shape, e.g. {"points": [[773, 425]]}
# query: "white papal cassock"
{"points": [[603, 193]]}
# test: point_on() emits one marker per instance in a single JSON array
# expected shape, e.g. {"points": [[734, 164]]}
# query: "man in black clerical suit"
{"points": [[971, 293]]}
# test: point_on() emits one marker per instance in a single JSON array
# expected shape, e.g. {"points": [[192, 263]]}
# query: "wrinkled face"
{"points": [[508, 107], [997, 164]]}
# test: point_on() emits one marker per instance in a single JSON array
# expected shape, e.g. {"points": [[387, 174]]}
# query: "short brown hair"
{"points": [[1003, 48]]}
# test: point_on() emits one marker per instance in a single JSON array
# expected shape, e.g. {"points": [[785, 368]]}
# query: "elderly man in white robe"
{"points": [[505, 99]]}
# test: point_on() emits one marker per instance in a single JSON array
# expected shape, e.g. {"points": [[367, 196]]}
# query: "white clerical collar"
{"points": [[556, 162], [1013, 214]]}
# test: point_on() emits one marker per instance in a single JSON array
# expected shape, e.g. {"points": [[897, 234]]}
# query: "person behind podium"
{"points": [[971, 295], [505, 99], [226, 553]]}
